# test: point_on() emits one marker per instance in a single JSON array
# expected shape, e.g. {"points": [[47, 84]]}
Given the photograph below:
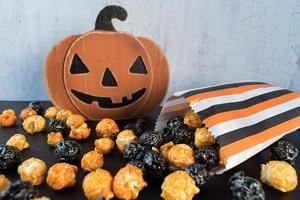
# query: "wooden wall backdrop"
{"points": [[206, 41]]}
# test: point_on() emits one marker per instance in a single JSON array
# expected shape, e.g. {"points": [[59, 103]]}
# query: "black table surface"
{"points": [[216, 188]]}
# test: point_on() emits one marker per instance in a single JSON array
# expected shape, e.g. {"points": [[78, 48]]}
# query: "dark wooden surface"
{"points": [[216, 188]]}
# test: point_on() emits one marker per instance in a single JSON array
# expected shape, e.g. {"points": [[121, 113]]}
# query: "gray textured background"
{"points": [[206, 41]]}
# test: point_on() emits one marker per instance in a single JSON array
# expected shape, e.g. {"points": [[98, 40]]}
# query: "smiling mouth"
{"points": [[106, 102]]}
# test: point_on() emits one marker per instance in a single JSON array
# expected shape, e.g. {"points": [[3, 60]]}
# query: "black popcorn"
{"points": [[151, 139], [167, 135], [57, 126], [134, 151], [67, 151], [155, 164], [175, 121], [198, 173], [140, 122], [19, 190], [137, 128], [207, 156], [10, 157], [245, 188], [284, 151], [181, 135], [38, 107], [177, 132]]}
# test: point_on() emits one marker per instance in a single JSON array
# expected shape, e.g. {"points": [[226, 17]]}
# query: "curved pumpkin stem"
{"points": [[104, 19]]}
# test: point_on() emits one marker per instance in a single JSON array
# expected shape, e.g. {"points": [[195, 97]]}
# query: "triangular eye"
{"points": [[78, 67], [138, 66], [109, 79]]}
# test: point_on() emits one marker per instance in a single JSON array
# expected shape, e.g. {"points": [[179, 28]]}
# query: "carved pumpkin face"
{"points": [[107, 71]]}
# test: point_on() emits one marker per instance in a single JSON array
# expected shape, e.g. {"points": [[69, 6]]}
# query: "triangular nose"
{"points": [[109, 79]]}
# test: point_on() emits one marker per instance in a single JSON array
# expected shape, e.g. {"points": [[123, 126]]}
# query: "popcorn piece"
{"points": [[63, 115], [75, 121], [98, 183], [128, 182], [81, 132], [107, 128], [19, 141], [53, 138], [51, 113], [34, 124], [104, 145], [181, 156], [124, 138], [192, 120], [4, 182], [27, 112], [280, 175], [164, 149], [179, 186], [61, 175], [8, 118], [91, 161], [32, 170], [203, 138]]}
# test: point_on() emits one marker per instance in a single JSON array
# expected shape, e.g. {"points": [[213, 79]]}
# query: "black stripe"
{"points": [[215, 109], [241, 133], [230, 85]]}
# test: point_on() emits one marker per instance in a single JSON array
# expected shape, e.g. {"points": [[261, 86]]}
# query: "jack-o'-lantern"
{"points": [[105, 73]]}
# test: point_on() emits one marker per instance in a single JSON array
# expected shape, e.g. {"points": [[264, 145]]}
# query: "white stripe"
{"points": [[245, 155], [206, 103], [179, 93], [235, 124]]}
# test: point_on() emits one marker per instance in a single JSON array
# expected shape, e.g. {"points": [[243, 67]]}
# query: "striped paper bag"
{"points": [[244, 117]]}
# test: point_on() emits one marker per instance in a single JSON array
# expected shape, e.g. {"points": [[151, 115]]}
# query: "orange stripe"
{"points": [[222, 92], [251, 141], [235, 114]]}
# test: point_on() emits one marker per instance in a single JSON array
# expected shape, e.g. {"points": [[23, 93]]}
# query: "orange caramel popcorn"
{"points": [[32, 170], [179, 186], [104, 145], [128, 182], [164, 149], [34, 124], [53, 138], [279, 175], [192, 120], [107, 128], [91, 161], [203, 138], [81, 132], [98, 183], [51, 113], [124, 138], [75, 121], [63, 115], [181, 156], [27, 112], [61, 175], [19, 141], [8, 118]]}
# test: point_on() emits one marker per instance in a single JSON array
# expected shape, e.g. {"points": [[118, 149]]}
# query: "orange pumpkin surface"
{"points": [[54, 74], [105, 73]]}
